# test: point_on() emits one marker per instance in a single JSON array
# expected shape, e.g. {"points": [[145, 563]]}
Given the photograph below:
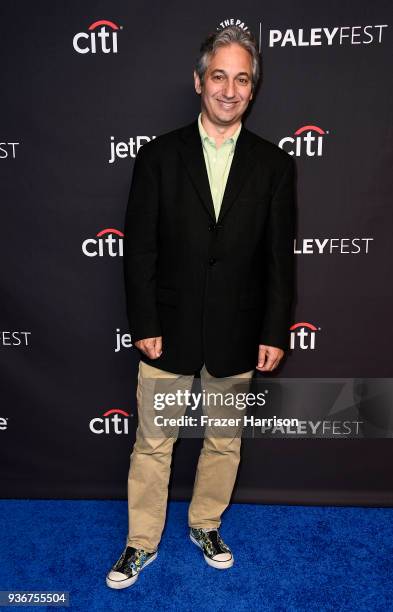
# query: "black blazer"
{"points": [[213, 290]]}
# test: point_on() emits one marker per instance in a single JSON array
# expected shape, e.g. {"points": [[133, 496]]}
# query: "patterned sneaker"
{"points": [[216, 552], [126, 569]]}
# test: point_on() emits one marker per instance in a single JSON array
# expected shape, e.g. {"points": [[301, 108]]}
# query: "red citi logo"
{"points": [[112, 421], [303, 336], [107, 242], [99, 39], [307, 139]]}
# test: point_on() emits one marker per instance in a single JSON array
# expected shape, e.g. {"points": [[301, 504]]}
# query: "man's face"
{"points": [[226, 91]]}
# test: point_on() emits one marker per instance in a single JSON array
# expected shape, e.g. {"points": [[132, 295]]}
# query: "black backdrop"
{"points": [[73, 117]]}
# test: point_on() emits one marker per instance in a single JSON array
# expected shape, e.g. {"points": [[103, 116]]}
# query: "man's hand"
{"points": [[268, 358], [151, 347]]}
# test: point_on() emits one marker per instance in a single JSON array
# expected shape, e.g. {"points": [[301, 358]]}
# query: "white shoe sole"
{"points": [[211, 562], [123, 584]]}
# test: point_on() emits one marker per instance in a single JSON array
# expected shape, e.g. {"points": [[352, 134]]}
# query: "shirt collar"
{"points": [[204, 135]]}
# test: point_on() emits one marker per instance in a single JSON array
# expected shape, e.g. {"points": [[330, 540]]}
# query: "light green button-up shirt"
{"points": [[218, 162]]}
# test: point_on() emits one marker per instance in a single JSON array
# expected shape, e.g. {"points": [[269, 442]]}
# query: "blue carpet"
{"points": [[286, 558]]}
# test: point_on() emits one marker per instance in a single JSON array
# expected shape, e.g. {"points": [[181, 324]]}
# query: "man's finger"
{"points": [[158, 346], [150, 349], [261, 356], [270, 363]]}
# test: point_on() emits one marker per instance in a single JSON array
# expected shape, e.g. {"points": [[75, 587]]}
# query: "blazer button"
{"points": [[211, 227], [212, 261]]}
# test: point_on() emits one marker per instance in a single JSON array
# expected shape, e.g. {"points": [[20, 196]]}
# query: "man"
{"points": [[209, 283]]}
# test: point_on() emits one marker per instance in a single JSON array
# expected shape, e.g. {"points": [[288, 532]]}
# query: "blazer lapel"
{"points": [[192, 154]]}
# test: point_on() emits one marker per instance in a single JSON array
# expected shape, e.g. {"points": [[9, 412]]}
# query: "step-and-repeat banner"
{"points": [[84, 86]]}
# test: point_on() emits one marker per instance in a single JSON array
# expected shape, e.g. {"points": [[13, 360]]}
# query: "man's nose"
{"points": [[229, 88]]}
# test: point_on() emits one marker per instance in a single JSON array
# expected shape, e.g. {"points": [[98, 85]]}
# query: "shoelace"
{"points": [[131, 557], [214, 542]]}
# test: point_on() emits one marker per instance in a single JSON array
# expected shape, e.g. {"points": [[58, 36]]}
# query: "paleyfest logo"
{"points": [[332, 246], [14, 338], [307, 140], [232, 21], [338, 35], [112, 421], [108, 241], [8, 150], [303, 335], [101, 37]]}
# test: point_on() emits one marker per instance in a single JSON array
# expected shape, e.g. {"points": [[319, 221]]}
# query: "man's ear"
{"points": [[197, 83]]}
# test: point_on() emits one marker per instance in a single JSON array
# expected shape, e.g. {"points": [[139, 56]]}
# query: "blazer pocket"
{"points": [[250, 299], [166, 296]]}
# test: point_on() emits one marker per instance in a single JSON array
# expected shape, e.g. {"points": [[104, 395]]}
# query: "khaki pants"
{"points": [[150, 460]]}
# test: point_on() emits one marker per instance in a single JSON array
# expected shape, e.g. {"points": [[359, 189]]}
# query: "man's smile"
{"points": [[226, 105]]}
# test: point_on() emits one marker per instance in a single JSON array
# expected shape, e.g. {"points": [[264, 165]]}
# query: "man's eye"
{"points": [[217, 76]]}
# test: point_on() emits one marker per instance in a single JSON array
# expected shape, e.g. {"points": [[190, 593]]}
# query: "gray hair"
{"points": [[226, 36]]}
